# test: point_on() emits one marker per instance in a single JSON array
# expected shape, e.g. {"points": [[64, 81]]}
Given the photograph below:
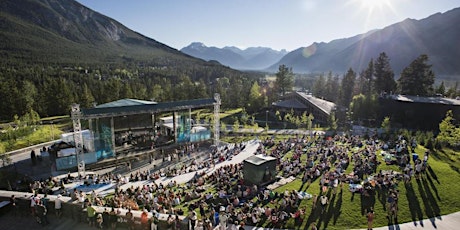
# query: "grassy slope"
{"points": [[435, 194], [43, 133]]}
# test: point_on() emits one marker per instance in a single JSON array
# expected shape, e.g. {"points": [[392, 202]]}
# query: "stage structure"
{"points": [[78, 139], [129, 121]]}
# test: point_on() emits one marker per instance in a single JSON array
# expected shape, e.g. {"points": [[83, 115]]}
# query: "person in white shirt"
{"points": [[58, 206], [32, 204], [324, 202], [223, 219]]}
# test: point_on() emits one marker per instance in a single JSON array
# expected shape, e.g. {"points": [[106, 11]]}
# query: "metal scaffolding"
{"points": [[78, 139], [217, 119]]}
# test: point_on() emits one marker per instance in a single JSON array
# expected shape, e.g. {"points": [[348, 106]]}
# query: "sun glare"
{"points": [[371, 5], [372, 11]]}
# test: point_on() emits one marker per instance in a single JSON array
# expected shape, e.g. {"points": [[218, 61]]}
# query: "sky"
{"points": [[278, 24]]}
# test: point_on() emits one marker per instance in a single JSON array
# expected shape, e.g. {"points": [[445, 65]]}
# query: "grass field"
{"points": [[42, 133], [436, 193]]}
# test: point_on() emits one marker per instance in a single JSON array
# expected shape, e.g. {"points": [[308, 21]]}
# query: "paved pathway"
{"points": [[446, 222]]}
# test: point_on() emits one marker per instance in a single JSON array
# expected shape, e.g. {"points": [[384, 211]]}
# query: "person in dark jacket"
{"points": [[41, 213]]}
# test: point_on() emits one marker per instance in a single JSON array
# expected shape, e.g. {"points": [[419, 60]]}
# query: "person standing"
{"points": [[144, 219], [370, 218], [99, 221], [41, 213], [14, 205], [58, 206], [177, 223], [105, 219], [33, 157], [192, 220], [33, 202], [113, 219], [91, 211], [223, 220], [170, 221], [154, 221], [130, 219], [324, 202]]}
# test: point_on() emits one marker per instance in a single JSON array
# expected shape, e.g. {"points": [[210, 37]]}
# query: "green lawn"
{"points": [[435, 194], [42, 133]]}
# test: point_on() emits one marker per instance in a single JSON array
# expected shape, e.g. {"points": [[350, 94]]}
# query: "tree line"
{"points": [[359, 93], [50, 90]]}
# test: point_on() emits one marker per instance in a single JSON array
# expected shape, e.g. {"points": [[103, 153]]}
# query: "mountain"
{"points": [[437, 36], [253, 58], [64, 31]]}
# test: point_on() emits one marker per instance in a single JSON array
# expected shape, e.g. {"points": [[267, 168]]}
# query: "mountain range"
{"points": [[64, 31], [438, 36], [252, 58]]}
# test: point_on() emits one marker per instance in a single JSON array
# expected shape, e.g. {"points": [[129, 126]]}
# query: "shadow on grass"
{"points": [[431, 206], [314, 215], [433, 174], [433, 186], [338, 207], [332, 211], [414, 205], [382, 195], [367, 201]]}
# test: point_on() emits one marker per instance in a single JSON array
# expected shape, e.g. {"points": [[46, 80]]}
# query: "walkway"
{"points": [[446, 222]]}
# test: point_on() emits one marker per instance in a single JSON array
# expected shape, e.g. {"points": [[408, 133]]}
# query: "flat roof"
{"points": [[125, 102], [430, 100], [290, 103], [324, 105], [132, 107], [259, 159]]}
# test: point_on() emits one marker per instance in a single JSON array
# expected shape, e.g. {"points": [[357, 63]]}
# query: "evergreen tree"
{"points": [[417, 78], [441, 89], [27, 97], [384, 75], [256, 99], [330, 93], [452, 91], [367, 79], [284, 79], [319, 88], [332, 121], [448, 133], [347, 86], [386, 125]]}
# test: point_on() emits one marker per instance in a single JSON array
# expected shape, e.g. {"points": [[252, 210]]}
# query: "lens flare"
{"points": [[309, 51]]}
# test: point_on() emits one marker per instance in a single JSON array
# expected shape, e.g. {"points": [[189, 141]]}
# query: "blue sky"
{"points": [[278, 24]]}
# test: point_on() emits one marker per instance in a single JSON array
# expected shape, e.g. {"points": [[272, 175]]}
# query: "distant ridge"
{"points": [[64, 31], [437, 35], [253, 58]]}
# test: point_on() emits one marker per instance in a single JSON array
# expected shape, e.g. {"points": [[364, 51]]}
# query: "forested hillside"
{"points": [[54, 53], [50, 90]]}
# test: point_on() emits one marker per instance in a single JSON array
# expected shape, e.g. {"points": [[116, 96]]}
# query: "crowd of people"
{"points": [[233, 203]]}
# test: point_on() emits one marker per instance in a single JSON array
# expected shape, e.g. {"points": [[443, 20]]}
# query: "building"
{"points": [[415, 112], [259, 169], [302, 102], [132, 122]]}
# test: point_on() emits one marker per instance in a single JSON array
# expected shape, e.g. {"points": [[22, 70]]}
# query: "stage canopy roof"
{"points": [[125, 107]]}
